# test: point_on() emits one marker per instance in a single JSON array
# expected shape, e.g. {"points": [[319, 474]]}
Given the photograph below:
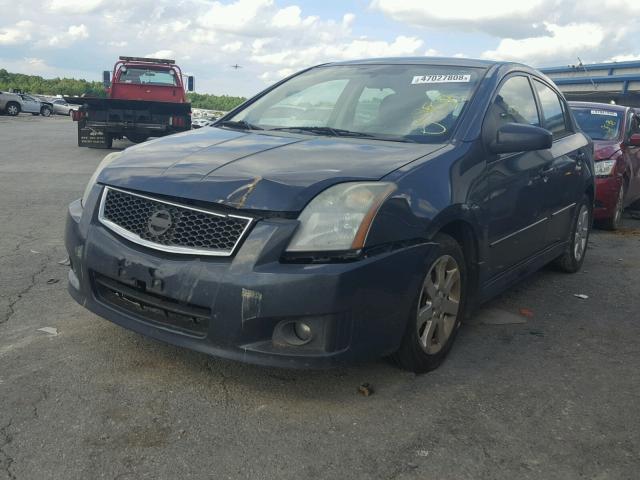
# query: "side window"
{"points": [[514, 103], [552, 110], [634, 123], [368, 106]]}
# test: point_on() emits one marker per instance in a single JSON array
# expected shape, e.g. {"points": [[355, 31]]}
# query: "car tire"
{"points": [[45, 112], [615, 222], [137, 138], [573, 257], [12, 108], [437, 311]]}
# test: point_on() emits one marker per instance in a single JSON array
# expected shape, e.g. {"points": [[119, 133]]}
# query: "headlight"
{"points": [[339, 218], [604, 167], [94, 178]]}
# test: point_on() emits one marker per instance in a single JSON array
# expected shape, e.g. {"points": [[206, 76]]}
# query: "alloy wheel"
{"points": [[582, 233], [439, 304], [12, 110]]}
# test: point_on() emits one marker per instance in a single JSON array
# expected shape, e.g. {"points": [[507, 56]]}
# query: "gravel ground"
{"points": [[552, 395]]}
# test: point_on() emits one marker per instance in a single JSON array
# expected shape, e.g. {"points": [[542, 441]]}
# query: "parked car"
{"points": [[615, 131], [14, 103], [10, 103], [298, 231], [61, 107], [202, 122]]}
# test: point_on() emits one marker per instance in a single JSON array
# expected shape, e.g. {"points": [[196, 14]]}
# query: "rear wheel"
{"points": [[12, 109], [137, 137], [573, 257], [437, 312]]}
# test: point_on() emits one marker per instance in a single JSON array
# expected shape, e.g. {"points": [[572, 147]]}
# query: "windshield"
{"points": [[419, 103], [599, 123], [145, 76]]}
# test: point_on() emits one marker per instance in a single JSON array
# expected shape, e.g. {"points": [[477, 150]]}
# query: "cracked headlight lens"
{"points": [[339, 218]]}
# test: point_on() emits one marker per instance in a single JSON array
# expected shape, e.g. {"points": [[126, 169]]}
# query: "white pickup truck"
{"points": [[14, 103]]}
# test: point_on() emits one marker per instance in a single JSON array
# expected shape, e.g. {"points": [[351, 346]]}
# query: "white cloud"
{"points": [[490, 16], [293, 59], [74, 6], [73, 34], [170, 54], [560, 41], [231, 47], [236, 16], [625, 58], [20, 33]]}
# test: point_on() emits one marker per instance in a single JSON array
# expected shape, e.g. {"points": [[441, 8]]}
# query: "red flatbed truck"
{"points": [[145, 99]]}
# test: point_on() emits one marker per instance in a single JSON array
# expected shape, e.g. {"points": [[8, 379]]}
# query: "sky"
{"points": [[271, 39]]}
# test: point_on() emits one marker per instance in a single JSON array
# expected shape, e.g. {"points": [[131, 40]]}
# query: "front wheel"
{"points": [[45, 111], [437, 312], [573, 257], [615, 222]]}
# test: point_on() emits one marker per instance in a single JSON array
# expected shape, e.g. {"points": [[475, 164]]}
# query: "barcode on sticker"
{"points": [[440, 78], [604, 112]]}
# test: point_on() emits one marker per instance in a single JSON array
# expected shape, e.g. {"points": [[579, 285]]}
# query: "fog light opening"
{"points": [[295, 333], [302, 331]]}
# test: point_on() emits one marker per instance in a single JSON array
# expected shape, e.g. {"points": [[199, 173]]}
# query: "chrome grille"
{"points": [[170, 226]]}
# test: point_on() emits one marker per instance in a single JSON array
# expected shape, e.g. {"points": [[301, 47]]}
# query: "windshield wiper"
{"points": [[243, 124], [339, 132], [336, 132]]}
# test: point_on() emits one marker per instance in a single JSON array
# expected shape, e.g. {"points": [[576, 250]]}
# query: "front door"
{"points": [[30, 104], [562, 175], [516, 219]]}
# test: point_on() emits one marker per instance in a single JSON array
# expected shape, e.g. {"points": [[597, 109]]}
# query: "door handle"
{"points": [[546, 170]]}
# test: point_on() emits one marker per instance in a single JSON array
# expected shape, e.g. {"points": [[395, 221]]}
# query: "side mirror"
{"points": [[191, 83], [519, 137], [106, 78], [634, 140]]}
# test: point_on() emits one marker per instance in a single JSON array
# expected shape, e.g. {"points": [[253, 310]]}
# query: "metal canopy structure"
{"points": [[616, 82]]}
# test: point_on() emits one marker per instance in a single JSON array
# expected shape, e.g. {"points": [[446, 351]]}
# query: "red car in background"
{"points": [[615, 131]]}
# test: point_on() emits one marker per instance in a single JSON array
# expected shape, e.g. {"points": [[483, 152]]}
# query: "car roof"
{"points": [[442, 61], [608, 106]]}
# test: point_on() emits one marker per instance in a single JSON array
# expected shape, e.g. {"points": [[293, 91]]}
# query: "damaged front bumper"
{"points": [[245, 307]]}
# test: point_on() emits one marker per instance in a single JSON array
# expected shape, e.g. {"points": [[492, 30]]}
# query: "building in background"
{"points": [[617, 82]]}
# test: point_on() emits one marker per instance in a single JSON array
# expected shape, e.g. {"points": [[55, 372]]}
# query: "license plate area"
{"points": [[150, 307]]}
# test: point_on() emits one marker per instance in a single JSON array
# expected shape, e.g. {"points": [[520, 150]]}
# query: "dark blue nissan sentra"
{"points": [[354, 210]]}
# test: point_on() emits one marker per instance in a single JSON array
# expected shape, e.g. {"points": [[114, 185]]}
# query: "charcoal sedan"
{"points": [[354, 210]]}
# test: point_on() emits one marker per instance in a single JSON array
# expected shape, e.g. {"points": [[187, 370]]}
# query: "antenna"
{"points": [[580, 64]]}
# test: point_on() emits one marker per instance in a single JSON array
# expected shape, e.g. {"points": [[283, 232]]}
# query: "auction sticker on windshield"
{"points": [[604, 112], [441, 78]]}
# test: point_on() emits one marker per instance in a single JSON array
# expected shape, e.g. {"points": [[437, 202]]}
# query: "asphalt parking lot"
{"points": [[553, 394]]}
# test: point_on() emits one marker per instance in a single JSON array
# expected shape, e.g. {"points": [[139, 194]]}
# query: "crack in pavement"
{"points": [[24, 291], [5, 459]]}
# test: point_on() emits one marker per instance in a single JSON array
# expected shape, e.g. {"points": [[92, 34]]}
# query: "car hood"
{"points": [[604, 149], [261, 171]]}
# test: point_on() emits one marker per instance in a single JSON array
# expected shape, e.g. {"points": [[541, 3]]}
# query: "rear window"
{"points": [[145, 76], [598, 123]]}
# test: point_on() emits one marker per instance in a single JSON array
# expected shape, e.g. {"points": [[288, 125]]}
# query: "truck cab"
{"points": [[156, 80]]}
